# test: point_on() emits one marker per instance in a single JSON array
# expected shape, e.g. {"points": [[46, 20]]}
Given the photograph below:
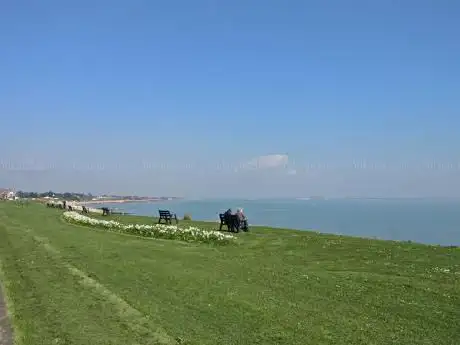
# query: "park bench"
{"points": [[231, 221], [105, 211], [167, 216]]}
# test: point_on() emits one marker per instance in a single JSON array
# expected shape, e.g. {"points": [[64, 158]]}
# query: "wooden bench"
{"points": [[105, 211], [231, 221], [167, 216]]}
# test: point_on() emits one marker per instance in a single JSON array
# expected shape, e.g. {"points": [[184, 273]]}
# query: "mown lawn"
{"points": [[69, 284]]}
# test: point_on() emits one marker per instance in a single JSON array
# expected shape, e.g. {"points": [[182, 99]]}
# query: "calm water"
{"points": [[426, 221]]}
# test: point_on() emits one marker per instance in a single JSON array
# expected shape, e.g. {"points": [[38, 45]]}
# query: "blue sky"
{"points": [[182, 97]]}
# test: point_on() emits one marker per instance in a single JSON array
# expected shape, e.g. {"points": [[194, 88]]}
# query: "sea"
{"points": [[418, 220]]}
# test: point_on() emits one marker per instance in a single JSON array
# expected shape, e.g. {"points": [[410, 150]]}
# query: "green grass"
{"points": [[69, 284]]}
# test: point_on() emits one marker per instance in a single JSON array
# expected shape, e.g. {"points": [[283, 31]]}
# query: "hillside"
{"points": [[73, 284]]}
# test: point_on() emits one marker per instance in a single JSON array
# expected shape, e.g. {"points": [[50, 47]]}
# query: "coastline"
{"points": [[411, 221], [119, 201]]}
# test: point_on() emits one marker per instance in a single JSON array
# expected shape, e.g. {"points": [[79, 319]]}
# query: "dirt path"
{"points": [[6, 332]]}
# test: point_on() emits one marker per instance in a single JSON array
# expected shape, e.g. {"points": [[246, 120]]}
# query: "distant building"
{"points": [[7, 194], [3, 193], [11, 195]]}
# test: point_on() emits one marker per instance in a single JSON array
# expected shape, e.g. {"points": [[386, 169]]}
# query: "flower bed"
{"points": [[172, 232]]}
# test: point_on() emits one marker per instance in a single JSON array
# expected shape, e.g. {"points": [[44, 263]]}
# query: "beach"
{"points": [[119, 201]]}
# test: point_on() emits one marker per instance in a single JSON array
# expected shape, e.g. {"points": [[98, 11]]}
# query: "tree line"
{"points": [[51, 194]]}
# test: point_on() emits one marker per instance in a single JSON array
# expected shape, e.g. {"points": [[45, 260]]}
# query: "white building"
{"points": [[11, 195]]}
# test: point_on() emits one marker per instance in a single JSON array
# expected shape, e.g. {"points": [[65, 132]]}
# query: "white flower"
{"points": [[441, 270], [153, 230]]}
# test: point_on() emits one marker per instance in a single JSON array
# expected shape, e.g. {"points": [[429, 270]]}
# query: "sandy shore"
{"points": [[118, 201]]}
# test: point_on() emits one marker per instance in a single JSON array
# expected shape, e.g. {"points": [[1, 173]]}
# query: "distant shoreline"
{"points": [[120, 201]]}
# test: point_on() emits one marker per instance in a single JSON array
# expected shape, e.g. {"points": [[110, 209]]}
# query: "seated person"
{"points": [[243, 220], [228, 216]]}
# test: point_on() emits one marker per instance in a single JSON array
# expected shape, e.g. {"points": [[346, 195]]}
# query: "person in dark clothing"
{"points": [[228, 217], [230, 220]]}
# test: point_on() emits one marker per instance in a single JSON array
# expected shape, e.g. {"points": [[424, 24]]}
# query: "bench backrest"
{"points": [[226, 218], [164, 213]]}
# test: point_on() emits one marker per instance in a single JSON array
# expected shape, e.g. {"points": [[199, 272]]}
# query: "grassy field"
{"points": [[70, 284]]}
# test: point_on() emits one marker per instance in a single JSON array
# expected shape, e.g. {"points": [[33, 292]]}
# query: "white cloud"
{"points": [[269, 161]]}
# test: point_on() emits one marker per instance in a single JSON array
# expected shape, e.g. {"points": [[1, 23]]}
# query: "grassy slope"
{"points": [[274, 287]]}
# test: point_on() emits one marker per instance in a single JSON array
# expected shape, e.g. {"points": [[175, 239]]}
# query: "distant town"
{"points": [[10, 194]]}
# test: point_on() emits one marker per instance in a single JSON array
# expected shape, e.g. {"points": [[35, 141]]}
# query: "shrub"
{"points": [[187, 216]]}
